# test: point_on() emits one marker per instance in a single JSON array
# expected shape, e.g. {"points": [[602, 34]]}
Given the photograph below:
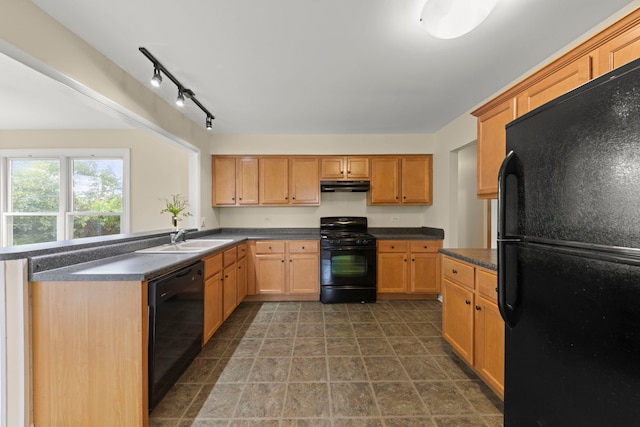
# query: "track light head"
{"points": [[180, 98], [157, 78], [209, 122]]}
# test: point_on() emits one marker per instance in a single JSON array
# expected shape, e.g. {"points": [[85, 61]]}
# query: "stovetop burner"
{"points": [[345, 231]]}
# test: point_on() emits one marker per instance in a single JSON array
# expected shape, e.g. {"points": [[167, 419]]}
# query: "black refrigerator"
{"points": [[569, 258]]}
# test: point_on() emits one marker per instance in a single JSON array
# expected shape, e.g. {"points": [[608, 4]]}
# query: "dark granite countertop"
{"points": [[117, 259], [487, 258], [407, 233], [87, 265]]}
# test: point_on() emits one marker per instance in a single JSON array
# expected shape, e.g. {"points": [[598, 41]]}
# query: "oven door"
{"points": [[348, 266]]}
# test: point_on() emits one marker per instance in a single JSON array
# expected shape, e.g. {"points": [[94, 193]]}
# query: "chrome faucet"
{"points": [[176, 236]]}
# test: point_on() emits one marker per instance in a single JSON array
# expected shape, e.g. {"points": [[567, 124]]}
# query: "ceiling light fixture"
{"points": [[448, 19], [180, 99], [157, 77], [183, 93]]}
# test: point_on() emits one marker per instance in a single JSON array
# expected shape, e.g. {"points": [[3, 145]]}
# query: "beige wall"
{"points": [[157, 169]]}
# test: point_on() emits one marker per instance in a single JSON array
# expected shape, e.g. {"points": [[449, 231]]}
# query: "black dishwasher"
{"points": [[176, 306]]}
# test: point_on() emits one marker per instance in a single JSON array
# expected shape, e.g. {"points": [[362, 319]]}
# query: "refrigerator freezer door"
{"points": [[580, 164], [573, 358]]}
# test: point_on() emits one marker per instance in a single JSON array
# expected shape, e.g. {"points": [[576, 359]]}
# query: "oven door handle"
{"points": [[349, 248]]}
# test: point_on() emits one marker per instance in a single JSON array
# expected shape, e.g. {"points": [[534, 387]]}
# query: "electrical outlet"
{"points": [[395, 219], [267, 219]]}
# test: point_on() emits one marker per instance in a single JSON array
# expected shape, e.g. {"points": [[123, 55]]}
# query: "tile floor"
{"points": [[339, 365]]}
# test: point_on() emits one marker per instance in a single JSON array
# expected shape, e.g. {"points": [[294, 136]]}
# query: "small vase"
{"points": [[174, 222]]}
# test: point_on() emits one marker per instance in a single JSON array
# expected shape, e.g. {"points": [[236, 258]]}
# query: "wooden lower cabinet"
{"points": [[471, 322], [408, 267], [213, 314], [288, 269], [89, 349]]}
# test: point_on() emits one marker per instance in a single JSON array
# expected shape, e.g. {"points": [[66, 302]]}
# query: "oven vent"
{"points": [[344, 186]]}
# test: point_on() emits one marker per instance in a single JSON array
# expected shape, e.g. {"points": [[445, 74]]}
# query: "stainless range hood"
{"points": [[344, 186]]}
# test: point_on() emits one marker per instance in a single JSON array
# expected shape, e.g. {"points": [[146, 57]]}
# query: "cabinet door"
{"points": [[304, 277], [270, 276], [489, 349], [560, 82], [620, 50], [224, 181], [416, 180], [274, 181], [305, 181], [242, 279], [457, 319], [393, 269], [425, 273], [247, 181], [492, 139], [230, 290], [212, 306], [384, 181], [357, 168], [332, 168]]}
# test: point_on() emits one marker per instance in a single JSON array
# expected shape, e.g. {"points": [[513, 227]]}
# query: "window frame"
{"points": [[65, 214]]}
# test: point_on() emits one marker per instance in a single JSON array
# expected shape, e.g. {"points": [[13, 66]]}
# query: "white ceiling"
{"points": [[326, 66]]}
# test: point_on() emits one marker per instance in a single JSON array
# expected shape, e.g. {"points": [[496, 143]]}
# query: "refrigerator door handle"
{"points": [[508, 289]]}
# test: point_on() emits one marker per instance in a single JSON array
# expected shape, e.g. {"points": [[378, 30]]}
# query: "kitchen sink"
{"points": [[188, 246]]}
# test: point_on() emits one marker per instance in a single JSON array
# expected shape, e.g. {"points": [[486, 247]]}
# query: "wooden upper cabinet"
{"points": [[235, 181], [405, 180], [492, 146], [274, 180], [560, 82], [304, 181], [385, 174], [247, 181], [352, 167], [619, 51], [416, 180], [224, 181], [611, 48]]}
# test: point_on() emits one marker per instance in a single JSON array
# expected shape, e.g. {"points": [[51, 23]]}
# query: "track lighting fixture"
{"points": [[180, 99], [183, 92], [157, 78]]}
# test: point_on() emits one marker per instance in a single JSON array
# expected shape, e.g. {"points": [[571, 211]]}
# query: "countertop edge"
{"points": [[485, 258]]}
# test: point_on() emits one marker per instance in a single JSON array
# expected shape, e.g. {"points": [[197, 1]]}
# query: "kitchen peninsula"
{"points": [[89, 317]]}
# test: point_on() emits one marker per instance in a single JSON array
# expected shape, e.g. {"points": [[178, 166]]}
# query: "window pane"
{"points": [[35, 185], [32, 229], [97, 185], [95, 225]]}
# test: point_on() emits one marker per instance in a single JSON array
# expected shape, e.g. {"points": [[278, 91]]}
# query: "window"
{"points": [[51, 196]]}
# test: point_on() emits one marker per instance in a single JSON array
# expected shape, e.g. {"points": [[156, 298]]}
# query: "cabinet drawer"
{"points": [[242, 250], [230, 256], [303, 246], [425, 245], [392, 246], [270, 247], [486, 285], [212, 265], [459, 272]]}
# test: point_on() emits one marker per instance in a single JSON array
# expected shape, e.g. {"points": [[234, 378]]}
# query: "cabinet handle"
{"points": [[269, 247], [413, 259], [233, 198], [239, 198], [426, 246], [292, 198], [478, 308], [405, 260], [404, 197], [467, 302], [454, 271], [226, 276], [341, 171], [348, 171], [239, 268], [290, 260], [281, 260], [393, 247]]}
